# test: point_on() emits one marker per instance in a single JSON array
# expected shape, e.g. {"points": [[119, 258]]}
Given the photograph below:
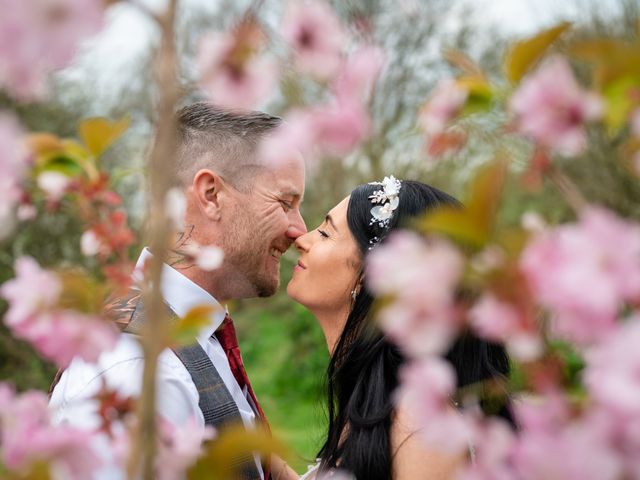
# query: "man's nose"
{"points": [[296, 225]]}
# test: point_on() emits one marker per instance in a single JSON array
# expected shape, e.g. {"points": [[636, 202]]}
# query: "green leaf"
{"points": [[524, 55], [98, 134], [81, 292], [55, 154], [473, 224], [618, 96], [233, 443], [613, 59], [186, 329], [480, 95]]}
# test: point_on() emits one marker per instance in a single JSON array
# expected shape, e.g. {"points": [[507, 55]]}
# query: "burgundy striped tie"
{"points": [[226, 335]]}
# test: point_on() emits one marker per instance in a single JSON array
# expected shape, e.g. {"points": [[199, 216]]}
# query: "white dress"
{"points": [[311, 472]]}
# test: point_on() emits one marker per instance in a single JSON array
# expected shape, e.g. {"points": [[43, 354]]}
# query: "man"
{"points": [[251, 211]]}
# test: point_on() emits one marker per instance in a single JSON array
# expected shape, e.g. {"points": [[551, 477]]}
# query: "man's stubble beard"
{"points": [[249, 259]]}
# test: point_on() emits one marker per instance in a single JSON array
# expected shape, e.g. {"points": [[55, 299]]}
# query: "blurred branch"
{"points": [[147, 11], [568, 189], [162, 154]]}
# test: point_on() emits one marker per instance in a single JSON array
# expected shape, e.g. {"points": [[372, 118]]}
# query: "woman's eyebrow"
{"points": [[330, 221]]}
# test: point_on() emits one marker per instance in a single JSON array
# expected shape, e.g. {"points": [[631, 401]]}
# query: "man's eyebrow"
{"points": [[291, 193], [330, 220]]}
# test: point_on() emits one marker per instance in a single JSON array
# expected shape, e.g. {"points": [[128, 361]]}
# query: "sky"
{"points": [[129, 32]]}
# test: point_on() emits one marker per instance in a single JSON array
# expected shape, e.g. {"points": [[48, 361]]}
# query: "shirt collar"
{"points": [[181, 294]]}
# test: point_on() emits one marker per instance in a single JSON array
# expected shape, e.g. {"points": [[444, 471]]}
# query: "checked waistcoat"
{"points": [[217, 405]]}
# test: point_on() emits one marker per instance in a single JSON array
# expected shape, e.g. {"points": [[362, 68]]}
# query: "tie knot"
{"points": [[226, 334]]}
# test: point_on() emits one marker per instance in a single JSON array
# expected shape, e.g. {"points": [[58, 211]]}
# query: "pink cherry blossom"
{"points": [[90, 244], [57, 334], [292, 140], [27, 436], [209, 258], [427, 387], [39, 36], [54, 184], [359, 74], [31, 292], [26, 212], [179, 447], [333, 129], [316, 36], [13, 164], [420, 277], [621, 430], [206, 257], [499, 321], [553, 443], [573, 450], [175, 204], [443, 106], [231, 71], [64, 334], [613, 367], [339, 127], [493, 441], [552, 109], [584, 272]]}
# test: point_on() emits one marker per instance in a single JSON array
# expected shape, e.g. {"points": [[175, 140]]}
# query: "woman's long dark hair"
{"points": [[363, 371]]}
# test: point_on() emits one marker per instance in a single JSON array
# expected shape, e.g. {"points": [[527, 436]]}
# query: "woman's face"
{"points": [[329, 265]]}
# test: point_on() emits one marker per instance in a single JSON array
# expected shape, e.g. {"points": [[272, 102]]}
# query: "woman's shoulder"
{"points": [[411, 456]]}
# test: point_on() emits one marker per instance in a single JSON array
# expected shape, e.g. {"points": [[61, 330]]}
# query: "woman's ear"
{"points": [[207, 188]]}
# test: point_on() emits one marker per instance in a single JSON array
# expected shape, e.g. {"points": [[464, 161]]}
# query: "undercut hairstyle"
{"points": [[363, 370], [223, 140]]}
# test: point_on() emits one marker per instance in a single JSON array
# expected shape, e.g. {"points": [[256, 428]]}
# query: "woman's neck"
{"points": [[332, 324]]}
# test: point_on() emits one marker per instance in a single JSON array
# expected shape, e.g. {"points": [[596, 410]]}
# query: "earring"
{"points": [[353, 294]]}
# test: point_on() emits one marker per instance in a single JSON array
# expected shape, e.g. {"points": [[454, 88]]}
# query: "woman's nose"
{"points": [[302, 242]]}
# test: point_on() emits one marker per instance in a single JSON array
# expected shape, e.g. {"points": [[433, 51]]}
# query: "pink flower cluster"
{"points": [[612, 379], [552, 443], [231, 70], [427, 388], [57, 334], [236, 73], [552, 109], [584, 273], [555, 445], [314, 33], [27, 437], [179, 447], [13, 164], [502, 322], [443, 106], [39, 36], [420, 278], [336, 127]]}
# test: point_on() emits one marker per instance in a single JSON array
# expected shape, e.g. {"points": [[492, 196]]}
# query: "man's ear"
{"points": [[208, 190]]}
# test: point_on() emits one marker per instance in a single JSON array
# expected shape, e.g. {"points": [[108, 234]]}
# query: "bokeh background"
{"points": [[283, 348]]}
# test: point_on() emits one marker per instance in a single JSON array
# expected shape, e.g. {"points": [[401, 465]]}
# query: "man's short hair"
{"points": [[223, 140]]}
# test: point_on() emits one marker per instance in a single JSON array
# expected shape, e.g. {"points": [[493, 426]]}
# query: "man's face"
{"points": [[263, 224]]}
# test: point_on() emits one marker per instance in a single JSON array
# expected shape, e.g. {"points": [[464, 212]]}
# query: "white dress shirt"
{"points": [[122, 368]]}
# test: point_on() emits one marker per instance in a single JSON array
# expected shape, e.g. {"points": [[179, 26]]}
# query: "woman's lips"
{"points": [[299, 266]]}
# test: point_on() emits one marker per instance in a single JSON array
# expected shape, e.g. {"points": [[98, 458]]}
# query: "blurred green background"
{"points": [[283, 347]]}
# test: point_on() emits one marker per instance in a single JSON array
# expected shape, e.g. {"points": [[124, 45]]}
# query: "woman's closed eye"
{"points": [[323, 233]]}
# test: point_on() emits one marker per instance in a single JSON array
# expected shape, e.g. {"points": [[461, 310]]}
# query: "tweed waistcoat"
{"points": [[216, 403]]}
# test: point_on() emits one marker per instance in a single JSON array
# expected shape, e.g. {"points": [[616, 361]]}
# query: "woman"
{"points": [[369, 436]]}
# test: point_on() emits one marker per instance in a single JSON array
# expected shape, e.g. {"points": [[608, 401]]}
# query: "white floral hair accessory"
{"points": [[385, 201]]}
